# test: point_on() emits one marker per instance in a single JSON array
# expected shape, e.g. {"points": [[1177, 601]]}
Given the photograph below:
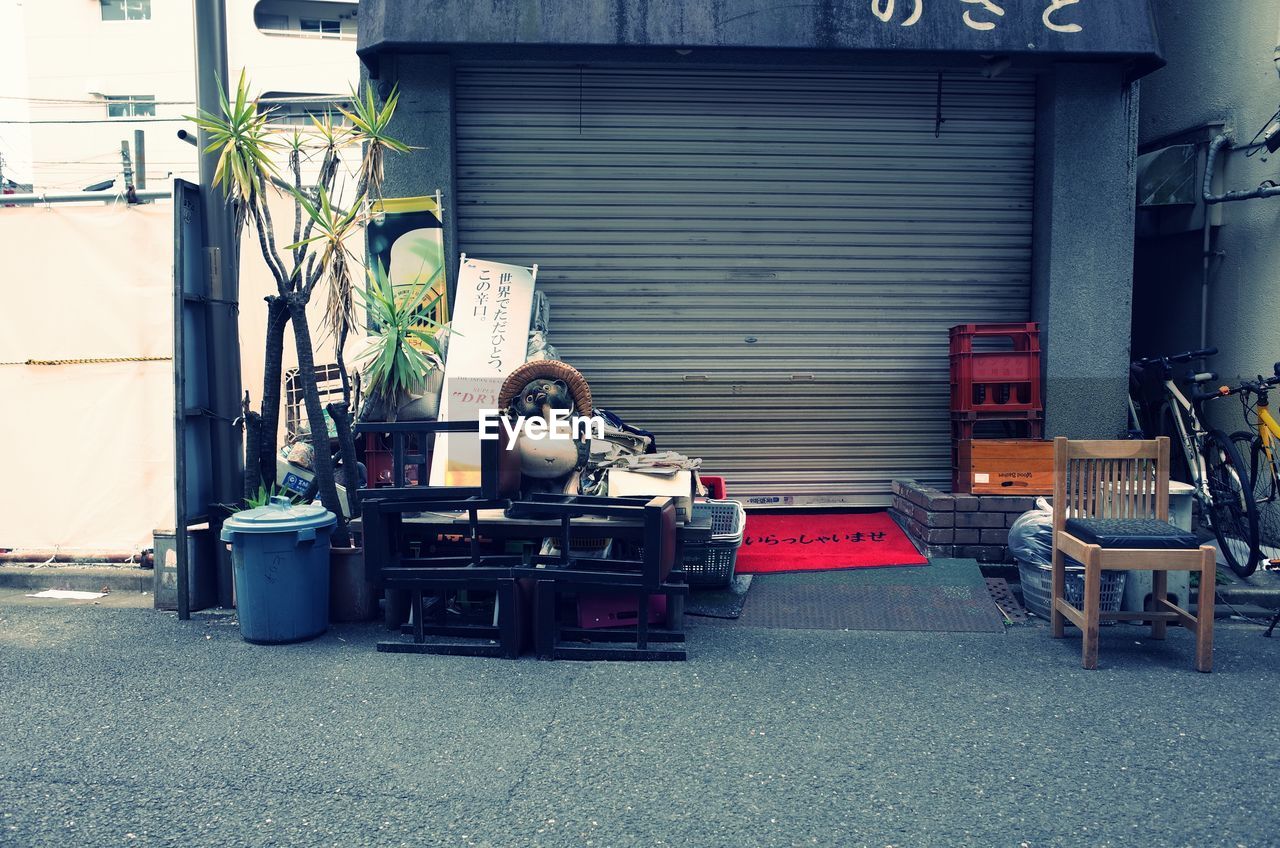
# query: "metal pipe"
{"points": [[83, 197], [1207, 236], [221, 266], [1221, 141], [54, 555], [140, 158]]}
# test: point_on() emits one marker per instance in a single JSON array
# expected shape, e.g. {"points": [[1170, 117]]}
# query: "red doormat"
{"points": [[776, 542]]}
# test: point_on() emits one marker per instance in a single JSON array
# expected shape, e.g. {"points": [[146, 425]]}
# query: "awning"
{"points": [[1082, 30]]}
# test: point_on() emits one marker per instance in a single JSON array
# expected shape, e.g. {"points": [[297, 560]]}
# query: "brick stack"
{"points": [[947, 525]]}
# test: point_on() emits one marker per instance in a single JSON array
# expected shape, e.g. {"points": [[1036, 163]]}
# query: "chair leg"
{"points": [[419, 626], [642, 622], [1204, 612], [1159, 589], [1058, 580], [508, 609], [544, 619], [1092, 601]]}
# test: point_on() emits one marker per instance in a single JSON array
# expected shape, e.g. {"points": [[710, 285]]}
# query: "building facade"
{"points": [[1221, 80], [80, 76], [757, 221]]}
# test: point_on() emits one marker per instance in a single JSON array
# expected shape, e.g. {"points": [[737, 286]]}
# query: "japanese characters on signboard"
{"points": [[488, 340], [982, 15]]}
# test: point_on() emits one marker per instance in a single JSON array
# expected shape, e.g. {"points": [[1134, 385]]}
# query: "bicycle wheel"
{"points": [[1233, 512], [1266, 489]]}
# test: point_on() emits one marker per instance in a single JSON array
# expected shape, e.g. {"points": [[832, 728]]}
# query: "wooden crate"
{"points": [[1003, 467]]}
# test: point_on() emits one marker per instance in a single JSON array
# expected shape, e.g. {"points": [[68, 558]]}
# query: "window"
{"points": [[131, 105], [126, 10], [326, 28], [268, 20], [299, 112]]}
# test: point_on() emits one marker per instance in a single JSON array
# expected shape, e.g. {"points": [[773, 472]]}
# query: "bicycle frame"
{"points": [[1184, 411], [1268, 438]]}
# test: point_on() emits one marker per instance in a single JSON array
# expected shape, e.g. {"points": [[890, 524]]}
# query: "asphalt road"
{"points": [[124, 726]]}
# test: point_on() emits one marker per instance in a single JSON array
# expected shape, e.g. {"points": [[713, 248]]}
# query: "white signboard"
{"points": [[490, 334]]}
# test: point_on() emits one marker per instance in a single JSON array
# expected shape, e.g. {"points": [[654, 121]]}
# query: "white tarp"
{"points": [[90, 445]]}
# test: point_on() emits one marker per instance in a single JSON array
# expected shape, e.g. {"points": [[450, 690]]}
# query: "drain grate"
{"points": [[1004, 598]]}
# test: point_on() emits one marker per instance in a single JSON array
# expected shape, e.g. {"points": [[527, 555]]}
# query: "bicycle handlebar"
{"points": [[1259, 386], [1178, 357]]}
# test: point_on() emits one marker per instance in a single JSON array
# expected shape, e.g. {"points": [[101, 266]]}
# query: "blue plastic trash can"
{"points": [[280, 558]]}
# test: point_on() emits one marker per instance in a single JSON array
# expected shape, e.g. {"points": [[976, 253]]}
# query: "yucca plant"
{"points": [[371, 122], [246, 143], [407, 344]]}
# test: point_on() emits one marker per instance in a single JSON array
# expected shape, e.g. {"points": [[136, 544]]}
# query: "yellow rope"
{"points": [[93, 361]]}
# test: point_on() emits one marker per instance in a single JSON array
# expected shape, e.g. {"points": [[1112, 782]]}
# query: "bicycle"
{"points": [[1260, 450], [1213, 467]]}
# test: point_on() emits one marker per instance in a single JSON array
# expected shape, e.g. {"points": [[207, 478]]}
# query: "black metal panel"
{"points": [[1104, 30], [193, 446]]}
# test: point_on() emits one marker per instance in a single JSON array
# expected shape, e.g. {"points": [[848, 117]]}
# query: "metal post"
{"points": [[130, 193], [221, 265], [140, 159]]}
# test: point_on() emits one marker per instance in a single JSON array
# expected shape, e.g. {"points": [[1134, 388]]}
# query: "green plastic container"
{"points": [[280, 555]]}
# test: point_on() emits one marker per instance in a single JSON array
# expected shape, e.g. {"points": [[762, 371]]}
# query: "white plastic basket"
{"points": [[1037, 588], [728, 518]]}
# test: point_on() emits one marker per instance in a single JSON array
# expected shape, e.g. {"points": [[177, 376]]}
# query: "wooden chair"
{"points": [[1111, 512], [650, 524], [419, 580]]}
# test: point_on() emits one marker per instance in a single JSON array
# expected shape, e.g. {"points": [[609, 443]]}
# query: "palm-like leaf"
{"points": [[241, 137], [370, 126], [333, 227], [395, 366]]}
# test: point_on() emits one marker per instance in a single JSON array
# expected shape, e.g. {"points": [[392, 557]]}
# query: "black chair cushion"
{"points": [[1144, 533]]}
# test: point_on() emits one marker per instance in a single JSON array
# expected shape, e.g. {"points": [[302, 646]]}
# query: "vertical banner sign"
{"points": [[406, 238], [488, 340]]}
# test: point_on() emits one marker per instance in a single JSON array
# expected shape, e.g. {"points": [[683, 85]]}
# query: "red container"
{"points": [[596, 611], [1010, 425], [995, 368], [377, 460], [715, 487]]}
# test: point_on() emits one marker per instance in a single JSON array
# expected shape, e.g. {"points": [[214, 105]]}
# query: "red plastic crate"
{"points": [[991, 380], [1025, 337], [715, 487], [1024, 425], [596, 611]]}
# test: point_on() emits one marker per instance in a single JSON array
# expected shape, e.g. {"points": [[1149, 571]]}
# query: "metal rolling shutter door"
{"points": [[759, 265]]}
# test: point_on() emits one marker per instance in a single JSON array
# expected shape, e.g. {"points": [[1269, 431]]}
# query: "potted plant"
{"points": [[403, 371]]}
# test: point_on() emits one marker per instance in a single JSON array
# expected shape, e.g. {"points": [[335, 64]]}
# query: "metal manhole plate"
{"points": [[854, 605]]}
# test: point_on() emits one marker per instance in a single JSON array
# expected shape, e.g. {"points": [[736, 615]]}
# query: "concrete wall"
{"points": [[424, 120], [1083, 250], [1220, 69]]}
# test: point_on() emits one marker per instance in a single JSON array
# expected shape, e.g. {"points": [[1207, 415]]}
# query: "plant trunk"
{"points": [[323, 460], [277, 319], [252, 450], [338, 347], [347, 449]]}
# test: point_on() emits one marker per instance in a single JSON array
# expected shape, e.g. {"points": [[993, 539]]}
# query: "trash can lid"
{"points": [[279, 516]]}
